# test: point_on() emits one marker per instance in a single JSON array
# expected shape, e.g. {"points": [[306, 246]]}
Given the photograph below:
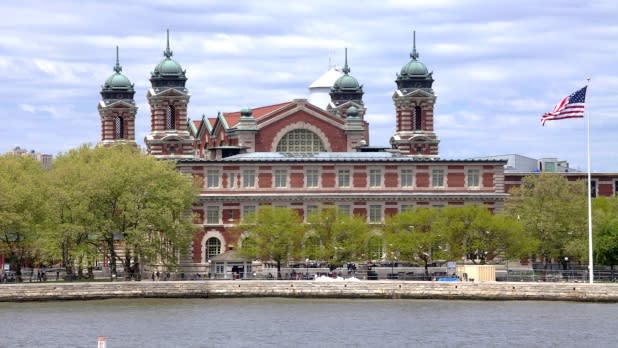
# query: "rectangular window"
{"points": [[311, 209], [247, 209], [406, 207], [407, 178], [375, 214], [593, 188], [345, 209], [281, 178], [248, 178], [231, 180], [615, 187], [437, 178], [375, 177], [343, 178], [474, 178], [212, 178], [212, 215], [312, 177]]}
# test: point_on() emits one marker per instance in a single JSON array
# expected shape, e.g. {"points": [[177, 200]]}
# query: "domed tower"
{"points": [[345, 93], [117, 109], [414, 102], [169, 135]]}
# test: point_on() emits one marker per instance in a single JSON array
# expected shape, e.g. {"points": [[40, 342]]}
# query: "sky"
{"points": [[498, 66]]}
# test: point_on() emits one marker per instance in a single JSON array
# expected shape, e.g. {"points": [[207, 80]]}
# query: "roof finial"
{"points": [[168, 53], [346, 68], [117, 68], [414, 54]]}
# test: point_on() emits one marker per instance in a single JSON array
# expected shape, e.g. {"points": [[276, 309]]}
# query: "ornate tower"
{"points": [[414, 102], [169, 135], [345, 93], [117, 109]]}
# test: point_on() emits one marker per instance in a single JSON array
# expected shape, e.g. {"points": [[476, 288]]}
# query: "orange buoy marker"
{"points": [[101, 343]]}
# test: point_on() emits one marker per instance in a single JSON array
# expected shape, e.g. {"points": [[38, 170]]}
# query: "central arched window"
{"points": [[213, 247], [118, 128], [170, 117], [300, 140]]}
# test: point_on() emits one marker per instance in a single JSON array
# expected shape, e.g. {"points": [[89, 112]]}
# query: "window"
{"points": [[343, 178], [118, 128], [311, 210], [248, 209], [406, 207], [170, 117], [213, 247], [375, 214], [345, 209], [407, 178], [375, 177], [300, 140], [312, 177], [437, 178], [212, 215], [473, 178], [248, 178], [281, 178], [615, 187], [593, 188], [417, 118], [212, 178]]}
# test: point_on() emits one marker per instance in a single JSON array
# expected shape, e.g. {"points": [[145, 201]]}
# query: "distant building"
{"points": [[45, 159]]}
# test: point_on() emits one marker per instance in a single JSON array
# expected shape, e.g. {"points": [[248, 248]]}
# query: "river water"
{"points": [[281, 322]]}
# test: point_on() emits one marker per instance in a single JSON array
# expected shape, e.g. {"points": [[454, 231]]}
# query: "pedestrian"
{"points": [[157, 275], [153, 276], [57, 275]]}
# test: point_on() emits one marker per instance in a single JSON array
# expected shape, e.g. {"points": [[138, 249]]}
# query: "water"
{"points": [[269, 322]]}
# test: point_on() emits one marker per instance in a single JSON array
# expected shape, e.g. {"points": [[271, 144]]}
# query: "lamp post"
{"points": [[307, 268]]}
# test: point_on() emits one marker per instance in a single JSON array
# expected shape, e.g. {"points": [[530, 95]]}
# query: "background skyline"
{"points": [[498, 66]]}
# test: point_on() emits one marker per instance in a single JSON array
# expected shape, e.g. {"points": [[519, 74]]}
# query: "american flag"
{"points": [[572, 106]]}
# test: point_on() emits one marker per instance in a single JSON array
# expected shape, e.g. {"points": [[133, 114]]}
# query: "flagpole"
{"points": [[590, 260]]}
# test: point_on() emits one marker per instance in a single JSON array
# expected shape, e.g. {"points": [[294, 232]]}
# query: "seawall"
{"points": [[584, 292]]}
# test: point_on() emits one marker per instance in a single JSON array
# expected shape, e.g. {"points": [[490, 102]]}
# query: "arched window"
{"points": [[417, 118], [213, 247], [118, 127], [170, 117], [300, 141]]}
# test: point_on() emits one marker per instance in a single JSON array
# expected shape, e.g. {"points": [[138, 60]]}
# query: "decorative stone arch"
{"points": [[211, 234], [300, 125]]}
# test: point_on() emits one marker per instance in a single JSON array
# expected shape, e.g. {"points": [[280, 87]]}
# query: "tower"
{"points": [[414, 102], [117, 109], [168, 97], [345, 93]]}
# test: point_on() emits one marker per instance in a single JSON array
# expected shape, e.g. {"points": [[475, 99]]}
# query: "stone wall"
{"points": [[335, 289]]}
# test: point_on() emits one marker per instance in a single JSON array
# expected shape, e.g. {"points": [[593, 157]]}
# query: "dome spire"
{"points": [[168, 53], [117, 68], [414, 53], [346, 68]]}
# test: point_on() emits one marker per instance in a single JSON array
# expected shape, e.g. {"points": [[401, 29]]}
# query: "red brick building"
{"points": [[295, 154]]}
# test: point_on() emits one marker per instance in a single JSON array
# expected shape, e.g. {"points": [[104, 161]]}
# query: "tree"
{"points": [[116, 197], [552, 212], [275, 233], [605, 231], [335, 237], [412, 235], [21, 200]]}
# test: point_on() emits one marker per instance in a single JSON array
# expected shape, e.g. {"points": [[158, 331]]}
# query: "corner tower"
{"points": [[169, 135], [345, 93], [414, 102], [117, 109]]}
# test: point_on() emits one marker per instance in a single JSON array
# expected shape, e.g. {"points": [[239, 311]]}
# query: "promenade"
{"points": [[387, 289]]}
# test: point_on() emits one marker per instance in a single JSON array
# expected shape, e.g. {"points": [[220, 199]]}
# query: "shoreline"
{"points": [[501, 291]]}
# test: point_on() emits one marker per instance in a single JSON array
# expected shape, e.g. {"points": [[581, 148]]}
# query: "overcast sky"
{"points": [[498, 66]]}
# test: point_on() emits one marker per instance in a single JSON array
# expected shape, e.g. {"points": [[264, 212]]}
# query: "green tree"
{"points": [[412, 235], [335, 237], [22, 193], [121, 198], [552, 212], [605, 231], [275, 233]]}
